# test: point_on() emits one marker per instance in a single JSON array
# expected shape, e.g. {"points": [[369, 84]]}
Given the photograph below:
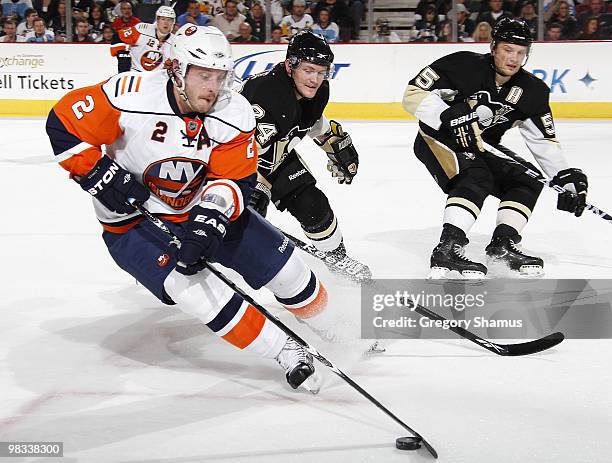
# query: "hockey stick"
{"points": [[289, 332], [508, 350], [515, 159]]}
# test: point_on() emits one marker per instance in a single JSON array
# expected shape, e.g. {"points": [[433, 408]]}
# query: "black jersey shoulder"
{"points": [[535, 89]]}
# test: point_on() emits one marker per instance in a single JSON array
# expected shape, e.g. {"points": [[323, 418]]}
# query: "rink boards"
{"points": [[367, 83]]}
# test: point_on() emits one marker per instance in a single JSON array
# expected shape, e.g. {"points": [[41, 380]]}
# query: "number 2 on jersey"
{"points": [[81, 106]]}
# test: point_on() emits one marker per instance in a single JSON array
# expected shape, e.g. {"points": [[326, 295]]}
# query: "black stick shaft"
{"points": [[515, 159], [289, 332]]}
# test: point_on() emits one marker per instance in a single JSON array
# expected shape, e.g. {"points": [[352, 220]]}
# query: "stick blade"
{"points": [[533, 347]]}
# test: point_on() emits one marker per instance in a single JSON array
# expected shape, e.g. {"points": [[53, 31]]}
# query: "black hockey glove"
{"points": [[260, 198], [343, 158], [112, 185], [462, 121], [203, 234], [124, 61], [570, 201]]}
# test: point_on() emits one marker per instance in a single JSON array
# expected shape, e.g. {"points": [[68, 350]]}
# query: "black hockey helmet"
{"points": [[514, 31], [308, 46]]}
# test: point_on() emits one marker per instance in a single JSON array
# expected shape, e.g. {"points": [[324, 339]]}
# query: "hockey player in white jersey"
{"points": [[182, 143], [145, 46]]}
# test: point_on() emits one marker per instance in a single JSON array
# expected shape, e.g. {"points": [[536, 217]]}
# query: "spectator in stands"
{"points": [[126, 18], [246, 35], [465, 26], [552, 7], [528, 14], [15, 9], [84, 6], [590, 30], [383, 33], [40, 32], [298, 20], [495, 13], [567, 22], [340, 14], [482, 32], [277, 36], [193, 15], [96, 21], [257, 20], [357, 8], [325, 28], [58, 22], [422, 7], [446, 31], [229, 22], [426, 26], [46, 9], [10, 32], [109, 8], [596, 7], [108, 34], [277, 11], [81, 31], [27, 25], [553, 32]]}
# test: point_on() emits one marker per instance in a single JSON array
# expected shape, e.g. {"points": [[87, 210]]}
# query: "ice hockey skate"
{"points": [[448, 259], [299, 368], [340, 263], [504, 250]]}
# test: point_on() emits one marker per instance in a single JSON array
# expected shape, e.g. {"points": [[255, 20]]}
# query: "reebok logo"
{"points": [[283, 247], [297, 174]]}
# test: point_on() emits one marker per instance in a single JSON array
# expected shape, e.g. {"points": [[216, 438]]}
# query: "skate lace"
{"points": [[459, 251], [292, 354], [515, 248]]}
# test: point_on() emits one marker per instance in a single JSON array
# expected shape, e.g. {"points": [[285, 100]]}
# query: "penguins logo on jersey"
{"points": [[489, 112], [175, 180], [150, 60]]}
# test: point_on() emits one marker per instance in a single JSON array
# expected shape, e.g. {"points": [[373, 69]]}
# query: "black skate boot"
{"points": [[449, 255], [504, 249], [339, 262], [299, 368]]}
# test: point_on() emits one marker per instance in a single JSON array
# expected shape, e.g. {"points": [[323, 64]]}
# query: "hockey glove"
{"points": [[203, 234], [572, 180], [112, 185], [260, 198], [343, 158], [124, 61], [462, 121]]}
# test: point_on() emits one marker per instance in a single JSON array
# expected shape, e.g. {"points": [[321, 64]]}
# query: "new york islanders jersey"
{"points": [[146, 51], [282, 119], [136, 116], [521, 102]]}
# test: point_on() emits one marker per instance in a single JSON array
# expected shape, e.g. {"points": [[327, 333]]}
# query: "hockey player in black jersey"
{"points": [[465, 98], [288, 102]]}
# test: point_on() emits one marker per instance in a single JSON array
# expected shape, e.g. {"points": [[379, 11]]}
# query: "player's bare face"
{"points": [[164, 25], [202, 87], [308, 77], [508, 58]]}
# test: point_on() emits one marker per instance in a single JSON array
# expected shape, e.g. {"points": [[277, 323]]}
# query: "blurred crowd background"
{"points": [[340, 21]]}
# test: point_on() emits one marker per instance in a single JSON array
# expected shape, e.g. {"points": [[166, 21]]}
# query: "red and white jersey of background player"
{"points": [[147, 53], [176, 157]]}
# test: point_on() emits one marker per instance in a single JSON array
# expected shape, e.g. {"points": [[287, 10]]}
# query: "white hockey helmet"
{"points": [[165, 12], [204, 46]]}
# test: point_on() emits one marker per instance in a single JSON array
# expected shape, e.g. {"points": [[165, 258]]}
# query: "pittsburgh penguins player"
{"points": [[465, 98], [288, 102]]}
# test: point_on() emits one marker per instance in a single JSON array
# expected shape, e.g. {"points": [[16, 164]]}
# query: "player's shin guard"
{"points": [[225, 313]]}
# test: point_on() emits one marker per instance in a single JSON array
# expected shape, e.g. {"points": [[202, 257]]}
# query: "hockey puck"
{"points": [[408, 443]]}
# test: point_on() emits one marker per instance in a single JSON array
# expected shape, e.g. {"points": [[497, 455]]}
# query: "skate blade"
{"points": [[531, 271], [312, 384], [443, 273]]}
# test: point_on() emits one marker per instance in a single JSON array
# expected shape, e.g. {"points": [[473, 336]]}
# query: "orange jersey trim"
{"points": [[87, 114], [235, 159], [176, 218], [315, 307], [247, 329]]}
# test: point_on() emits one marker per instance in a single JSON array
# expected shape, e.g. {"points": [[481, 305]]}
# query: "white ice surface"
{"points": [[89, 358]]}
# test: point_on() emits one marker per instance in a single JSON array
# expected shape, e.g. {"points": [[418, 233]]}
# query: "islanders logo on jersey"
{"points": [[175, 180], [150, 60]]}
